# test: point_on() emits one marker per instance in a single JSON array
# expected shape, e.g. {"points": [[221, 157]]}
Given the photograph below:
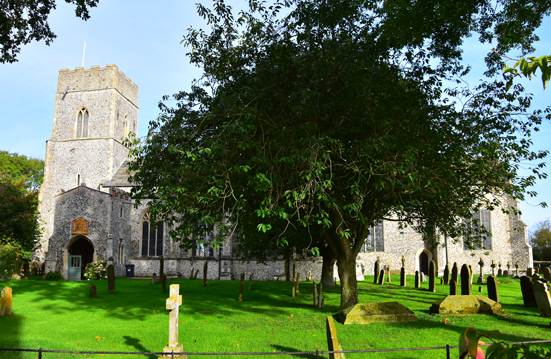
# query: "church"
{"points": [[88, 213]]}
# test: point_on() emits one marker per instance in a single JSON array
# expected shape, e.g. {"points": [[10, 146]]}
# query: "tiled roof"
{"points": [[120, 179]]}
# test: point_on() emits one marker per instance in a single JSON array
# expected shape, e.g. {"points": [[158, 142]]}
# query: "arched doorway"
{"points": [[424, 262], [83, 248]]}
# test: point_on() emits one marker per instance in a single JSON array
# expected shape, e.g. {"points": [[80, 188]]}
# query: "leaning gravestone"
{"points": [[453, 287], [547, 274], [446, 274], [465, 280], [402, 277], [543, 298], [93, 291], [432, 277], [417, 279], [332, 341], [154, 279], [111, 278], [191, 274], [493, 266], [376, 272], [455, 272], [6, 302], [527, 292], [493, 292], [173, 304], [382, 277], [196, 272]]}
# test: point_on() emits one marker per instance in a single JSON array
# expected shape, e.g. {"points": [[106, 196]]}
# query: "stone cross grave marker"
{"points": [[481, 277], [173, 304], [543, 298], [499, 272], [493, 266], [516, 269]]}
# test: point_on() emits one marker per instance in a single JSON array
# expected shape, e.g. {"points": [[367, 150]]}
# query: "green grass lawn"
{"points": [[61, 316]]}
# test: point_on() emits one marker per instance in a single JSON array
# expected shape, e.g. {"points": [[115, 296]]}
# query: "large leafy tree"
{"points": [[540, 239], [333, 115], [24, 21], [20, 166]]}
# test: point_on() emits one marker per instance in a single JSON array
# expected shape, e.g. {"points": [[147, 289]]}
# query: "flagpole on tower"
{"points": [[83, 53]]}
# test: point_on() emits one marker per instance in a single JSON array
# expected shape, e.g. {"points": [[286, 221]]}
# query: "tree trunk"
{"points": [[349, 283], [327, 270]]}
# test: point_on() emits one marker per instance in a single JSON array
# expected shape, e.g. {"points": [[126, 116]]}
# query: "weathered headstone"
{"points": [[309, 275], [417, 279], [376, 272], [466, 305], [446, 274], [163, 283], [297, 283], [196, 272], [493, 266], [294, 289], [251, 281], [508, 269], [320, 296], [432, 277], [388, 271], [527, 292], [505, 273], [455, 272], [423, 279], [93, 291], [314, 294], [111, 279], [453, 287], [543, 298], [191, 274], [471, 276], [547, 274], [499, 272], [242, 284], [481, 276], [332, 341], [465, 280], [536, 270], [386, 312], [205, 271], [516, 270], [402, 277], [161, 267], [529, 272], [6, 302], [173, 304], [382, 277], [493, 292], [154, 279]]}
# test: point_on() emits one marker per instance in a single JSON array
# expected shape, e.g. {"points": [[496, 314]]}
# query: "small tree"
{"points": [[540, 239]]}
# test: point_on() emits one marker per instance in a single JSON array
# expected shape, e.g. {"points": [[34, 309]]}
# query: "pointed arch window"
{"points": [[480, 227], [82, 123], [152, 237], [202, 237], [375, 241]]}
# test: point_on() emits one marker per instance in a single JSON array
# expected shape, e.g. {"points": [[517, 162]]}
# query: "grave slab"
{"points": [[365, 313], [466, 305]]}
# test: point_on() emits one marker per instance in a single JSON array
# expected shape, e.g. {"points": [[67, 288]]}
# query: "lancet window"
{"points": [[480, 228], [152, 237], [375, 241], [82, 123]]}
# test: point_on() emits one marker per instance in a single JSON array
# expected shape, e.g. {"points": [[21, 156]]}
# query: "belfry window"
{"points": [[152, 237], [375, 241], [125, 131], [82, 123], [479, 227]]}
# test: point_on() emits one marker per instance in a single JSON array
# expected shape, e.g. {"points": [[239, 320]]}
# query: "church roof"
{"points": [[120, 179]]}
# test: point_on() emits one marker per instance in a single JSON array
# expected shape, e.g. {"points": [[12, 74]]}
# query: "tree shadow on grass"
{"points": [[11, 326], [134, 342]]}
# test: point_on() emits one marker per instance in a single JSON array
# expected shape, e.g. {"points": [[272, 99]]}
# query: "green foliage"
{"points": [[332, 115], [24, 21], [53, 275], [96, 270], [528, 68], [540, 239], [9, 255], [21, 167]]}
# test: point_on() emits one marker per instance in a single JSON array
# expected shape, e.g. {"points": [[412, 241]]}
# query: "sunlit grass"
{"points": [[61, 316]]}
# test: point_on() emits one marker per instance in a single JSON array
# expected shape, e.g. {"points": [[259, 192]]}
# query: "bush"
{"points": [[56, 275], [9, 255], [95, 270]]}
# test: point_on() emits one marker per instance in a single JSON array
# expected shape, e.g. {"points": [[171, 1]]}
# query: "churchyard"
{"points": [[61, 316]]}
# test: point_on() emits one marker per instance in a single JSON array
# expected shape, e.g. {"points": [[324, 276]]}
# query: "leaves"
{"points": [[528, 68]]}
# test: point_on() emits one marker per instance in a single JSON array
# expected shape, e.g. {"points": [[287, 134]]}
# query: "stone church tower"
{"points": [[95, 109]]}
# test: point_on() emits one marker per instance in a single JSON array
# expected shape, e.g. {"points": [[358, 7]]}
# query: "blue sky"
{"points": [[143, 39]]}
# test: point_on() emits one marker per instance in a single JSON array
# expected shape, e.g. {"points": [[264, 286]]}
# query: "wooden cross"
{"points": [[173, 304]]}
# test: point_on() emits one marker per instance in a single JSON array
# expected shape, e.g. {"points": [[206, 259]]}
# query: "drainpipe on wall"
{"points": [[446, 242], [219, 262]]}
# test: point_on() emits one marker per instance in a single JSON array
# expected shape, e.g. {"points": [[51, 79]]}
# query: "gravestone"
{"points": [[506, 273], [163, 283], [465, 280], [173, 304], [547, 274], [205, 271], [294, 268], [481, 276], [320, 296], [191, 274], [161, 267], [332, 341], [402, 277], [537, 270], [417, 279], [251, 281], [493, 266], [422, 277], [93, 291], [382, 277], [527, 292], [517, 275], [196, 272], [111, 278], [297, 283], [388, 271], [508, 269], [499, 272], [6, 302], [543, 298], [294, 288], [376, 272], [432, 277], [493, 292], [453, 287], [529, 272], [34, 268], [314, 294], [466, 305], [309, 275], [386, 312], [471, 276], [441, 280], [446, 274], [455, 272], [241, 285], [154, 279], [480, 288]]}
